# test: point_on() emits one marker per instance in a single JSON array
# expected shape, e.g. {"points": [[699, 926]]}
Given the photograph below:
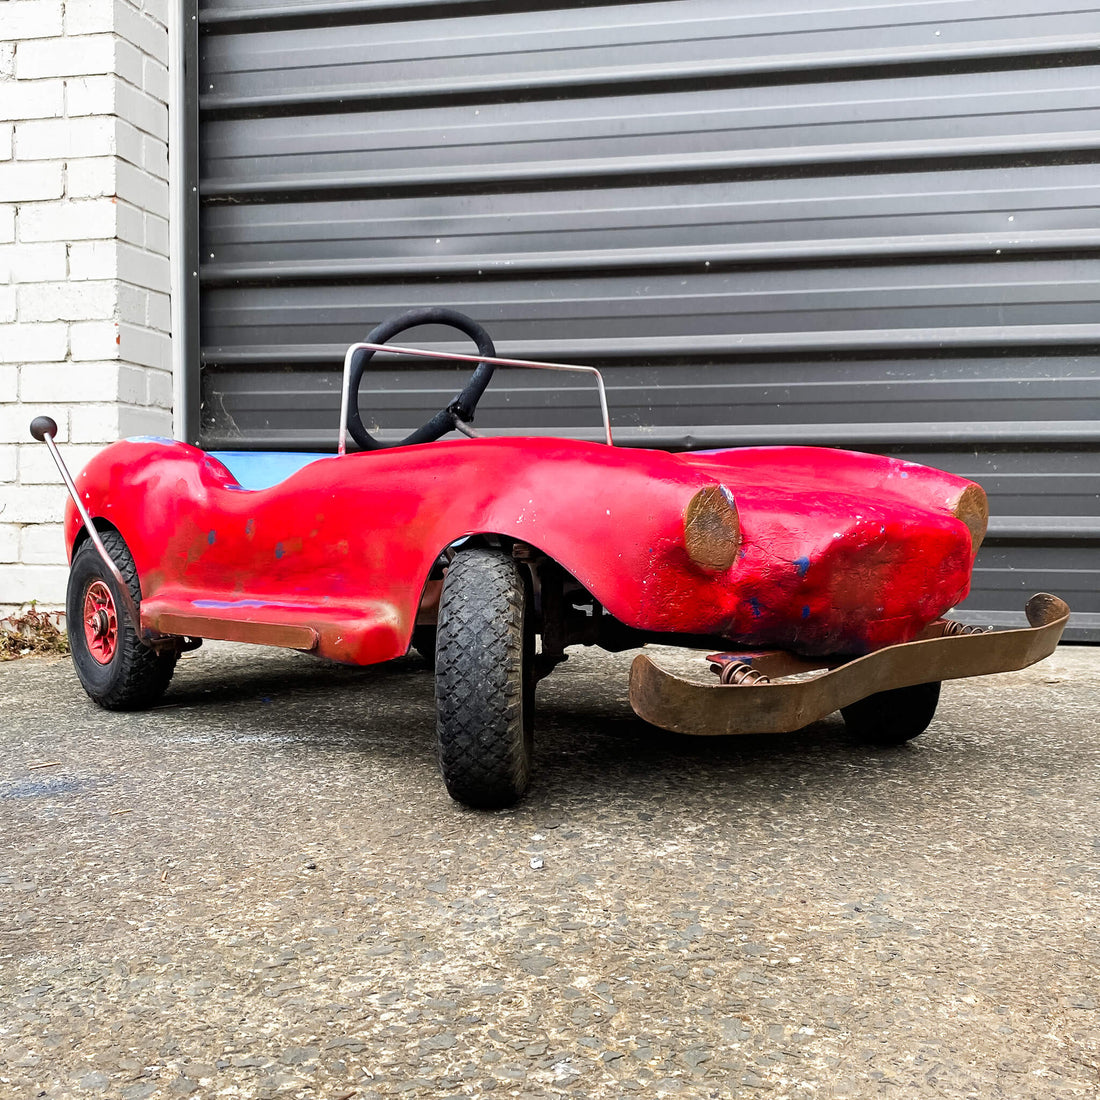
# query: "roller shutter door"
{"points": [[856, 225]]}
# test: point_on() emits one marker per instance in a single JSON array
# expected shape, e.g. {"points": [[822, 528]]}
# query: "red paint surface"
{"points": [[841, 552], [100, 622]]}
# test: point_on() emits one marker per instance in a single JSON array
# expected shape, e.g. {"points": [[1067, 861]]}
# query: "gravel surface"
{"points": [[260, 889]]}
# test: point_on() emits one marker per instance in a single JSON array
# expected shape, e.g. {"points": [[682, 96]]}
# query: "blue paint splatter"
{"points": [[211, 539], [249, 527], [757, 610], [805, 612], [802, 564], [279, 551], [904, 474]]}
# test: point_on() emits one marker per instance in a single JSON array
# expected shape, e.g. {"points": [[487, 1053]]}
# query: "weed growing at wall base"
{"points": [[32, 633]]}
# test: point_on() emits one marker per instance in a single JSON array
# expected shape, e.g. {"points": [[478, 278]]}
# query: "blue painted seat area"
{"points": [[262, 469]]}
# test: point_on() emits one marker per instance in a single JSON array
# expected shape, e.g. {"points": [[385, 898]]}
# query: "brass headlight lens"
{"points": [[972, 508], [712, 529]]}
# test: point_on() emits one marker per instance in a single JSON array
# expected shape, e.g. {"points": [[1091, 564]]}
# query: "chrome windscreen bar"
{"points": [[534, 364]]}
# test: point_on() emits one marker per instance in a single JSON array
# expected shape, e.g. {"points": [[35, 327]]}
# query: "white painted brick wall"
{"points": [[84, 271]]}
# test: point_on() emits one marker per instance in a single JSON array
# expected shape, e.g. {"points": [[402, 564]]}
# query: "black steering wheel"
{"points": [[462, 405]]}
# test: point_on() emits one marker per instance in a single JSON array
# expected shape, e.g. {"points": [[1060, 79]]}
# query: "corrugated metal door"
{"points": [[770, 221]]}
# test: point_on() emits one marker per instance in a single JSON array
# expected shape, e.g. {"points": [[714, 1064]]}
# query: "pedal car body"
{"points": [[483, 545]]}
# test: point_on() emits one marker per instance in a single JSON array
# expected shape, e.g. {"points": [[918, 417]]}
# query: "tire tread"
{"points": [[482, 665]]}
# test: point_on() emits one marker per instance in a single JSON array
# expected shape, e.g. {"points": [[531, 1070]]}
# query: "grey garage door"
{"points": [[861, 225]]}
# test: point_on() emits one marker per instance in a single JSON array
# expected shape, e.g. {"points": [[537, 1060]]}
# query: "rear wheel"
{"points": [[114, 668], [484, 680], [893, 717]]}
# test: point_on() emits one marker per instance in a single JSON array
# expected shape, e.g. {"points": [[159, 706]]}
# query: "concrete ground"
{"points": [[261, 889]]}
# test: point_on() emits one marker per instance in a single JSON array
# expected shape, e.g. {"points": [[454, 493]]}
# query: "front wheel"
{"points": [[114, 667], [893, 717], [484, 680]]}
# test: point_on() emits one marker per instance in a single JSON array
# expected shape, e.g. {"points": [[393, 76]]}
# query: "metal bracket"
{"points": [[777, 706]]}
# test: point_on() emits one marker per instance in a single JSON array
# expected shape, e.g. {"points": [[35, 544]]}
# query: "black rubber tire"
{"points": [[484, 680], [893, 717], [136, 676]]}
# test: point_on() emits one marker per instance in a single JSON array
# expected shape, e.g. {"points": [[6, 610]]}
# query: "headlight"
{"points": [[973, 509], [712, 530]]}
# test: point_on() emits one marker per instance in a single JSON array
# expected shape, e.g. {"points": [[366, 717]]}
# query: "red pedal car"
{"points": [[492, 555]]}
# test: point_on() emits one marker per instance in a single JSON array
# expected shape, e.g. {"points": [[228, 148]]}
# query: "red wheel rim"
{"points": [[100, 622]]}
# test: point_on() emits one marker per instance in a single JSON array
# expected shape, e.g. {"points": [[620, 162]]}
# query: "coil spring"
{"points": [[741, 674], [951, 629]]}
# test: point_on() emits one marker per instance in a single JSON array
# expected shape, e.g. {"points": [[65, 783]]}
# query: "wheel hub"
{"points": [[100, 622]]}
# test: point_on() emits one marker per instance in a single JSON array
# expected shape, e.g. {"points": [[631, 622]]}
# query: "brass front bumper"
{"points": [[716, 709]]}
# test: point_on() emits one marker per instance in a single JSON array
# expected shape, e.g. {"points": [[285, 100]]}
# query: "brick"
{"points": [[26, 263], [7, 59], [37, 343], [89, 340], [141, 421], [9, 542], [36, 466], [90, 17], [138, 187], [7, 224], [23, 182], [81, 55], [76, 301], [159, 316], [31, 19], [32, 503], [7, 141], [69, 382], [141, 268], [42, 544], [150, 349], [154, 79], [129, 61], [133, 304], [150, 36], [90, 95], [130, 224], [56, 138], [76, 56], [79, 220], [90, 177], [154, 156], [133, 388], [160, 393], [9, 383], [157, 235], [8, 471], [45, 584], [128, 142], [156, 9], [93, 260], [15, 422], [141, 110], [94, 423], [23, 99], [8, 308]]}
